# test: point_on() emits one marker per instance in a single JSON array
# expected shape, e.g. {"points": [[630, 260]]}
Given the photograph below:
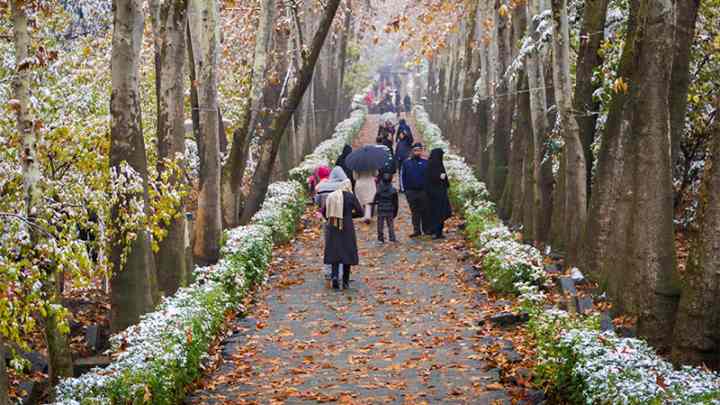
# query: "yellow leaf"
{"points": [[503, 11]]}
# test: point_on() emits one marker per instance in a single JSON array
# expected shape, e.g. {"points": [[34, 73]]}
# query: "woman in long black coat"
{"points": [[340, 240], [436, 188]]}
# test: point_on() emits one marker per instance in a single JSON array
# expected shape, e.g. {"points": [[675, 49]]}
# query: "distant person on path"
{"points": [[387, 205], [365, 190], [436, 188], [408, 104], [404, 128], [403, 148], [336, 181], [341, 162], [386, 131], [398, 102], [341, 248], [413, 180]]}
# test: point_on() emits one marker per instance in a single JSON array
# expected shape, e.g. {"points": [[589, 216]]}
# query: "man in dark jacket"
{"points": [[413, 180], [386, 203], [408, 104]]}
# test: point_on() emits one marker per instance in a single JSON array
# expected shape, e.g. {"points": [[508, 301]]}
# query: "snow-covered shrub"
{"points": [[508, 264], [628, 371], [155, 359], [283, 206]]}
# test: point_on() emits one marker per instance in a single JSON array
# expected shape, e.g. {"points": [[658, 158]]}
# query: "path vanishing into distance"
{"points": [[405, 333]]}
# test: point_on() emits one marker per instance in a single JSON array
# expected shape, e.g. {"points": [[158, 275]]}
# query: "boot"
{"points": [[346, 277]]}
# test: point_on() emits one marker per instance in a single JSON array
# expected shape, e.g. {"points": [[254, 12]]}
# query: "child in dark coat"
{"points": [[386, 202]]}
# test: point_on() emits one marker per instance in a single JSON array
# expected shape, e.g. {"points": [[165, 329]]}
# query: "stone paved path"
{"points": [[403, 334]]}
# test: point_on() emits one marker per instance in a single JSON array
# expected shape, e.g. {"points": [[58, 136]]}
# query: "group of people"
{"points": [[389, 102], [343, 195]]}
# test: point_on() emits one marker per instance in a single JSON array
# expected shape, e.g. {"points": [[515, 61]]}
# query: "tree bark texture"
{"points": [[575, 189], [133, 283], [591, 37], [204, 30], [697, 328], [686, 12], [171, 23], [503, 105], [538, 118]]}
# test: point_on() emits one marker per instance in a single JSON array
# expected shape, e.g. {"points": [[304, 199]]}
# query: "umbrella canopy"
{"points": [[367, 158]]}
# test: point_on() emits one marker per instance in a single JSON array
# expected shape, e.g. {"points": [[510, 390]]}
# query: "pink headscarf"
{"points": [[322, 172]]}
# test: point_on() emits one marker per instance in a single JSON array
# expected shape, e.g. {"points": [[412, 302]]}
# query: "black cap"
{"points": [[417, 145]]}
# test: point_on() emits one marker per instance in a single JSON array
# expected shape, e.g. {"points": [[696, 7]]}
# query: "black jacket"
{"points": [[386, 200], [436, 188], [341, 245]]}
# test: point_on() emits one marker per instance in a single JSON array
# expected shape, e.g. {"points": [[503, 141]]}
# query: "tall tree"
{"points": [[169, 24], [632, 203], [471, 72], [503, 102], [133, 283], [574, 175], [591, 37], [538, 118], [234, 168], [697, 329], [57, 341], [204, 33], [281, 116]]}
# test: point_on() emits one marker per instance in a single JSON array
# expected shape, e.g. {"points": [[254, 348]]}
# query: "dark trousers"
{"points": [[418, 203], [381, 227], [345, 276], [437, 230]]}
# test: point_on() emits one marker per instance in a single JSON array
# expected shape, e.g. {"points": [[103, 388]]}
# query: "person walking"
{"points": [[403, 149], [341, 207], [404, 128], [436, 189], [365, 189], [347, 150], [322, 191], [413, 180], [408, 104], [387, 205]]}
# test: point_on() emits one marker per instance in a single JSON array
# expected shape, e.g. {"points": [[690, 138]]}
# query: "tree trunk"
{"points": [[652, 292], [591, 37], [281, 117], [523, 130], [4, 386], [203, 19], [234, 168], [604, 216], [169, 30], [575, 190], [538, 108], [503, 105], [686, 12], [58, 344], [468, 118], [697, 329], [134, 283]]}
